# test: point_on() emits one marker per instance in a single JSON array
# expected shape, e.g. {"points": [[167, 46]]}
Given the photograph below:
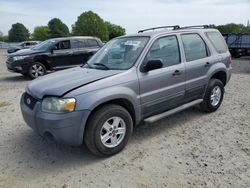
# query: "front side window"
{"points": [[194, 47], [165, 49], [62, 45], [119, 54]]}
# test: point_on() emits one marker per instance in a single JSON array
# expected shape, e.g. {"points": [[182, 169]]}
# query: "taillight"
{"points": [[229, 59]]}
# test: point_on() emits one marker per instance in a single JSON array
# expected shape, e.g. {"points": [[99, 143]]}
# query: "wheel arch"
{"points": [[42, 59], [220, 75], [123, 102]]}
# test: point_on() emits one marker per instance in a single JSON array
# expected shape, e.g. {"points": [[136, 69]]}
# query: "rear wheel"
{"points": [[213, 96], [108, 130], [36, 69]]}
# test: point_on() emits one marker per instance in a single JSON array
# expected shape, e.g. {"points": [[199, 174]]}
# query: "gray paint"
{"points": [[147, 92]]}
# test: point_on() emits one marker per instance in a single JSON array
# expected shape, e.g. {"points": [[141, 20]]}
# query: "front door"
{"points": [[163, 88], [61, 55]]}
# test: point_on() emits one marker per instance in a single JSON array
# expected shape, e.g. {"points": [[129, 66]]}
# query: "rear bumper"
{"points": [[65, 128]]}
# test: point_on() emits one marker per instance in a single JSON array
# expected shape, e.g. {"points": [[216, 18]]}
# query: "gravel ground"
{"points": [[188, 149]]}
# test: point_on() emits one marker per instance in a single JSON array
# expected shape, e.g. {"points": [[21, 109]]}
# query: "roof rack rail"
{"points": [[195, 27], [162, 27]]}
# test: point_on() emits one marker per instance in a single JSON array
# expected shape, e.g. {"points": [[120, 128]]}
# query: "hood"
{"points": [[59, 83], [25, 52]]}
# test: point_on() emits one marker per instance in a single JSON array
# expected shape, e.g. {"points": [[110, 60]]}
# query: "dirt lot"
{"points": [[189, 149]]}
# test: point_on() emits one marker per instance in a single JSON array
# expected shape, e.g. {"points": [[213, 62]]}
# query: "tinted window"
{"points": [[79, 44], [166, 49], [194, 47], [92, 43], [217, 41], [63, 45], [27, 44]]}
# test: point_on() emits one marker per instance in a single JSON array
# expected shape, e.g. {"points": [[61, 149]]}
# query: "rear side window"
{"points": [[217, 41], [194, 47], [79, 44], [92, 43], [166, 49]]}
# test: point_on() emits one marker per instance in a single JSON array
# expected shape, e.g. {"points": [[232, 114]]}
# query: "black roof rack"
{"points": [[162, 27], [195, 27]]}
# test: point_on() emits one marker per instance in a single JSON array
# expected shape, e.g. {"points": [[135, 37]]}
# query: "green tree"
{"points": [[232, 28], [41, 33], [58, 28], [18, 33], [90, 24], [115, 30]]}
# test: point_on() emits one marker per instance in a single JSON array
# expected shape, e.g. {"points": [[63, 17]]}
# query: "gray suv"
{"points": [[132, 79]]}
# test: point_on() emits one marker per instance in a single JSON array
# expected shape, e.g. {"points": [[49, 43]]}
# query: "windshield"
{"points": [[119, 54], [45, 45]]}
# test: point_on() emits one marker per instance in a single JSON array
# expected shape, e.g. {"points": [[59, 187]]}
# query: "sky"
{"points": [[133, 15]]}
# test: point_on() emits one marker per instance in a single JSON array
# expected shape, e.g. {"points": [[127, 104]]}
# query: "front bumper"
{"points": [[19, 66], [18, 69], [65, 128]]}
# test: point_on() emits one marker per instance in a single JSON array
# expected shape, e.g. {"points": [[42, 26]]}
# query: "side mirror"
{"points": [[52, 49], [153, 64]]}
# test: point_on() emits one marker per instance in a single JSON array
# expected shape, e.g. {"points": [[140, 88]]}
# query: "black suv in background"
{"points": [[22, 45], [53, 54]]}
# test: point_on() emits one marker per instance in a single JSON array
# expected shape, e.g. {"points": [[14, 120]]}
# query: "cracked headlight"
{"points": [[58, 105]]}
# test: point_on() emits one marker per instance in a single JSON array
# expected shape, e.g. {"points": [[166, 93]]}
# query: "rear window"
{"points": [[217, 41]]}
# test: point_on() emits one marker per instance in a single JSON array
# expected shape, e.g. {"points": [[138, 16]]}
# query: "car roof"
{"points": [[156, 33], [75, 37]]}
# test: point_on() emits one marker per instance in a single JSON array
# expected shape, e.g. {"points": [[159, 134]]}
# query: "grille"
{"points": [[29, 101]]}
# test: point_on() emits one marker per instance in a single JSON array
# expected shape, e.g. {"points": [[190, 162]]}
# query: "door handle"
{"points": [[177, 72], [207, 64]]}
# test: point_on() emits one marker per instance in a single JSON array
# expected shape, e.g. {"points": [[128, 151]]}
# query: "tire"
{"points": [[213, 96], [112, 117], [36, 69]]}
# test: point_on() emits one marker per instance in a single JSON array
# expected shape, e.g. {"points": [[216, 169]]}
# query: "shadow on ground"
{"points": [[37, 150], [15, 78]]}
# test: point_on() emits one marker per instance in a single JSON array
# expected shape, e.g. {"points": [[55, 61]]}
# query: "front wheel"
{"points": [[213, 96], [36, 69], [108, 130]]}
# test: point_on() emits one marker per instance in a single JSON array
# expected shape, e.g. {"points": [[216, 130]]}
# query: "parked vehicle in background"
{"points": [[53, 54], [134, 78], [238, 44], [22, 45]]}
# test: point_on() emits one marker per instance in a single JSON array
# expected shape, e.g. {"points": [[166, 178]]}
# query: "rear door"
{"points": [[198, 61], [163, 88]]}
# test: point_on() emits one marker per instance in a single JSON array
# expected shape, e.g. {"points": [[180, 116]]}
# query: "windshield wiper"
{"points": [[101, 65]]}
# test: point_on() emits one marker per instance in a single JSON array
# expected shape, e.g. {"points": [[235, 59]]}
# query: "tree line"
{"points": [[232, 28], [87, 24]]}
